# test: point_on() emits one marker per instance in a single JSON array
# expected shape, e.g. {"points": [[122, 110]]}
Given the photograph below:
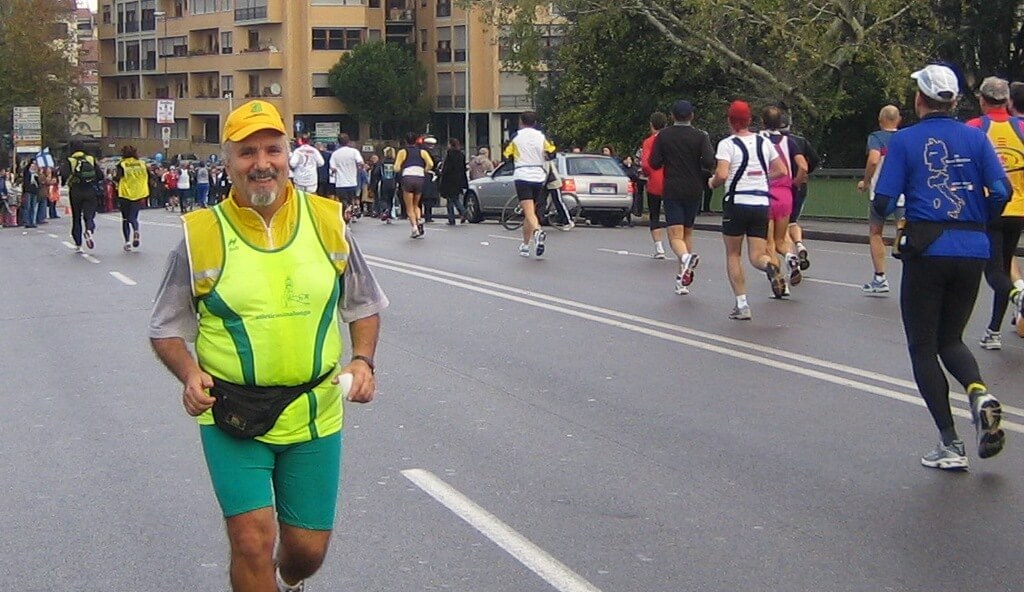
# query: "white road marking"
{"points": [[68, 245], [52, 235], [620, 252], [141, 221], [831, 283], [537, 560], [758, 351], [90, 258], [511, 238], [123, 278]]}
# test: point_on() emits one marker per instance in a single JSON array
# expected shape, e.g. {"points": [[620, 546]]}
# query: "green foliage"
{"points": [[37, 70], [381, 83]]}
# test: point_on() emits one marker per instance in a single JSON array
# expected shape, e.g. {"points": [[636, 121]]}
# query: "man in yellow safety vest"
{"points": [[258, 284]]}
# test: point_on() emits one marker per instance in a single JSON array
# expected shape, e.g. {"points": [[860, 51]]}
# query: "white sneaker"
{"points": [[680, 289], [127, 247], [566, 227], [659, 251], [79, 250], [538, 241], [524, 250]]}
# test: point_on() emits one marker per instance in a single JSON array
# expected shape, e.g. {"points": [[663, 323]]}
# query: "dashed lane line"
{"points": [[537, 560], [123, 278]]}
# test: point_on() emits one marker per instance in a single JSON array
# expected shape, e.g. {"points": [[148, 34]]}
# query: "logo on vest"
{"points": [[293, 298], [233, 244]]}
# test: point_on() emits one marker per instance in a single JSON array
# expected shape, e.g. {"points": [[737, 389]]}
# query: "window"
{"points": [[179, 8], [254, 85], [444, 90], [227, 84], [123, 127], [373, 35], [179, 130], [337, 39], [423, 40], [321, 86], [206, 6], [247, 10], [444, 44], [550, 41], [226, 42], [149, 54], [459, 88], [444, 8], [106, 14], [171, 47], [460, 43]]}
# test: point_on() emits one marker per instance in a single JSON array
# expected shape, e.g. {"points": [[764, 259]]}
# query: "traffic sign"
{"points": [[165, 111], [165, 133]]}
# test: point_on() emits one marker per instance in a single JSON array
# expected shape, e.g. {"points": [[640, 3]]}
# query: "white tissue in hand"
{"points": [[345, 380]]}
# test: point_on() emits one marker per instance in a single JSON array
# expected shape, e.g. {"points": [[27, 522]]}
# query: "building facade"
{"points": [[209, 55], [88, 122]]}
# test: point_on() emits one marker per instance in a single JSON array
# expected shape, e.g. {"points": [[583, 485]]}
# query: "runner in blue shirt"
{"points": [[943, 167]]}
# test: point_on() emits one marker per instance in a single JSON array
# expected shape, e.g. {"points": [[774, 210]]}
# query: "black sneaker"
{"points": [[987, 415], [135, 239], [776, 280]]}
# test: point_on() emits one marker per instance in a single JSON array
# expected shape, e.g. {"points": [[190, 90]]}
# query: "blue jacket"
{"points": [[943, 167]]}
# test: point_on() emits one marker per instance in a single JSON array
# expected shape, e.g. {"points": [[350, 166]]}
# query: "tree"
{"points": [[37, 66], [381, 83], [770, 51]]}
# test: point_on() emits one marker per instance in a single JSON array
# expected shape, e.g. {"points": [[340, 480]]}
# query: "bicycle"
{"points": [[512, 213]]}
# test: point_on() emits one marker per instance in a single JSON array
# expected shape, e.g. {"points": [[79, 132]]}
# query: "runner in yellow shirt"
{"points": [[132, 179]]}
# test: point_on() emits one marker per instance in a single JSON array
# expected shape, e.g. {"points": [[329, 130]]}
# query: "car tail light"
{"points": [[568, 185], [631, 188]]}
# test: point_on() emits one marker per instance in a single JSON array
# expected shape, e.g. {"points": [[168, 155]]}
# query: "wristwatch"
{"points": [[369, 362]]}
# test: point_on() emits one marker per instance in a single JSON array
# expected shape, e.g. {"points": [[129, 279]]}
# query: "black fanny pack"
{"points": [[249, 411], [914, 237]]}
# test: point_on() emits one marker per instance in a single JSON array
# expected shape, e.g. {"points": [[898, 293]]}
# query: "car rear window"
{"points": [[582, 165]]}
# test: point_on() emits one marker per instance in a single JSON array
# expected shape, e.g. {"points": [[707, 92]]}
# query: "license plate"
{"points": [[604, 189]]}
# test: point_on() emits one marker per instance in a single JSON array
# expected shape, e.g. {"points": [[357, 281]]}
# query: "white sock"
{"points": [[1019, 284], [684, 262], [800, 246], [741, 301], [792, 260], [283, 586], [658, 248]]}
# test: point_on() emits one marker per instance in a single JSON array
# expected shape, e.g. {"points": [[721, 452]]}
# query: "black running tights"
{"points": [[936, 300], [129, 216], [1004, 235], [654, 209]]}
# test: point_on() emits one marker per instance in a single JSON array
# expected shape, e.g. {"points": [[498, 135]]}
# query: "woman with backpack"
{"points": [[81, 176]]}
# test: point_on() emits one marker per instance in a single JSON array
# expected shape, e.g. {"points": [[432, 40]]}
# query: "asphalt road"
{"points": [[564, 424]]}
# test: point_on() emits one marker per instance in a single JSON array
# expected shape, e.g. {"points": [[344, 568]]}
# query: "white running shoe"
{"points": [[538, 241], [127, 247], [680, 289], [659, 251], [524, 250]]}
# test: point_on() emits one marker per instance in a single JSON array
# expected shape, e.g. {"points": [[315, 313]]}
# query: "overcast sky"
{"points": [[90, 3]]}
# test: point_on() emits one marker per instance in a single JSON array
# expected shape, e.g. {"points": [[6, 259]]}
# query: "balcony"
{"points": [[258, 59], [107, 31], [401, 15], [128, 108], [273, 13], [515, 101]]}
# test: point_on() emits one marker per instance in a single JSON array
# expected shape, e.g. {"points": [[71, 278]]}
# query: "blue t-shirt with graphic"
{"points": [[879, 140], [943, 168]]}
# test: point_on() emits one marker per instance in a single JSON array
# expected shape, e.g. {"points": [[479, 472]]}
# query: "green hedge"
{"points": [[831, 194]]}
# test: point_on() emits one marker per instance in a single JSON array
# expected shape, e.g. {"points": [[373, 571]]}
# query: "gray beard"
{"points": [[262, 200]]}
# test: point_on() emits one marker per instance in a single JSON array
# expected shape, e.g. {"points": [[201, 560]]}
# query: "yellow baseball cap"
{"points": [[250, 118]]}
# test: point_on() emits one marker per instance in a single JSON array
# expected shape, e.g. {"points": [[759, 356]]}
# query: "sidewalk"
{"points": [[840, 231]]}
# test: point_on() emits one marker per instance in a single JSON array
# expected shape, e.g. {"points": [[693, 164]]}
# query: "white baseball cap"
{"points": [[937, 82]]}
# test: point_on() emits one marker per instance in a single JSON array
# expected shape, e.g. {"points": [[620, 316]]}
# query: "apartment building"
{"points": [[208, 55], [87, 122]]}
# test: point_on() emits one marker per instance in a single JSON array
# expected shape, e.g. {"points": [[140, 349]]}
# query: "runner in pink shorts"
{"points": [[781, 192]]}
